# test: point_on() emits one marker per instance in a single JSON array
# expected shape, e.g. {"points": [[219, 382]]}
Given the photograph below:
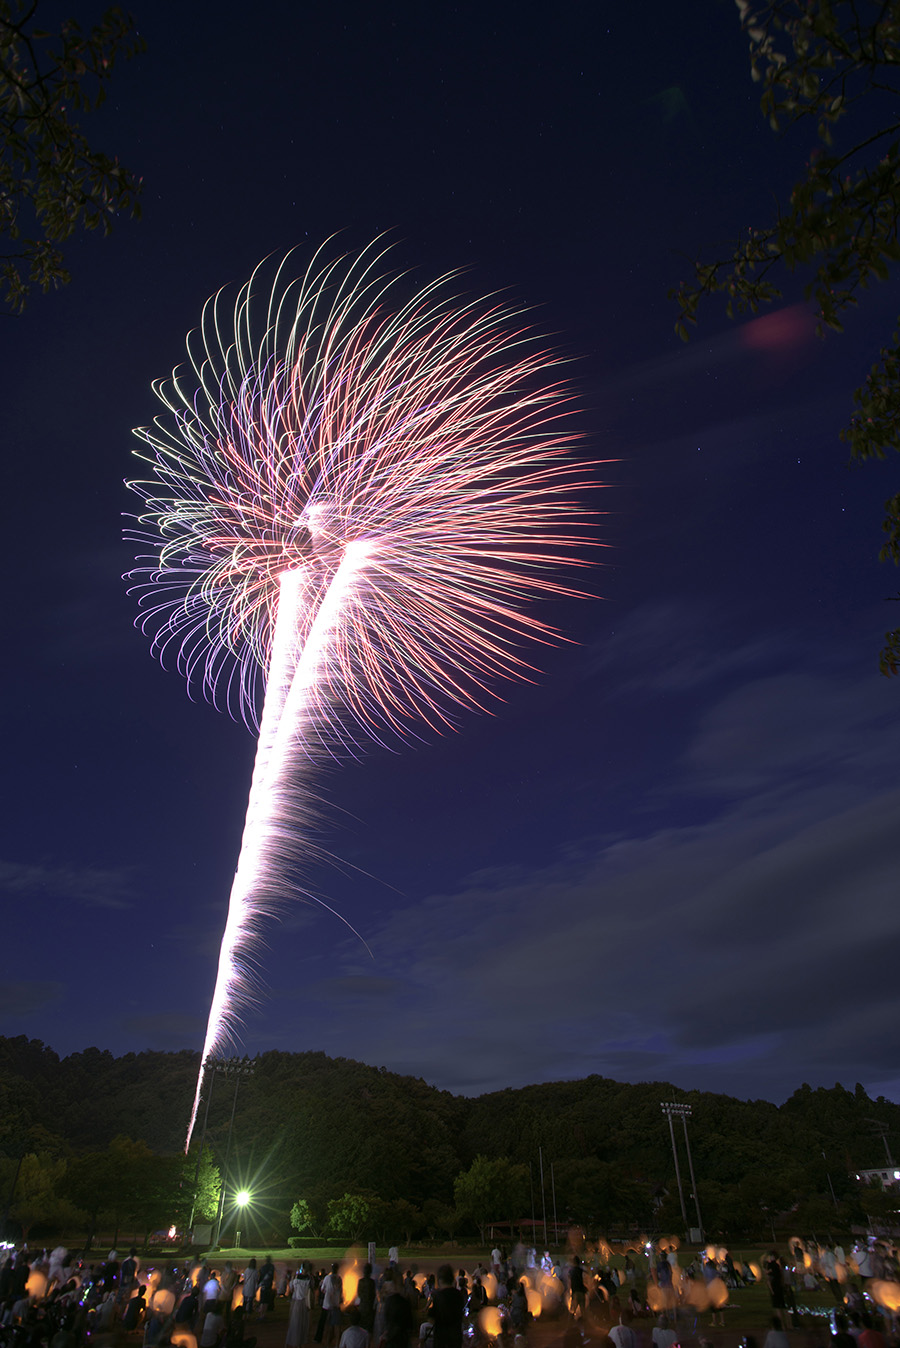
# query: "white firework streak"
{"points": [[270, 825]]}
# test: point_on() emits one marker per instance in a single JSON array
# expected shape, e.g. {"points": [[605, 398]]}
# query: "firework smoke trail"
{"points": [[353, 501], [274, 785]]}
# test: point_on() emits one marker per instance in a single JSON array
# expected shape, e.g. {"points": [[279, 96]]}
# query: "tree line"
{"points": [[335, 1148]]}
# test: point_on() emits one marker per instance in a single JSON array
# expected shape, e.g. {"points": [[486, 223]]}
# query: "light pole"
{"points": [[670, 1109], [543, 1198], [684, 1113], [238, 1068], [882, 1129], [210, 1063]]}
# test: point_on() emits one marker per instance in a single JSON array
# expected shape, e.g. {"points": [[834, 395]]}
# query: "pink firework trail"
{"points": [[354, 500]]}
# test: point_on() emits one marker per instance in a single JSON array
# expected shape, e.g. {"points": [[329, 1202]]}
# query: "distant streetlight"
{"points": [[241, 1199], [238, 1068]]}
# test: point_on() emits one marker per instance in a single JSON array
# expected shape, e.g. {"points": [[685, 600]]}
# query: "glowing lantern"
{"points": [[162, 1302], [695, 1294], [36, 1285], [886, 1293], [718, 1293], [489, 1321]]}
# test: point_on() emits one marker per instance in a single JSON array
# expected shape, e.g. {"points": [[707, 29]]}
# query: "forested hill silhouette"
{"points": [[322, 1124]]}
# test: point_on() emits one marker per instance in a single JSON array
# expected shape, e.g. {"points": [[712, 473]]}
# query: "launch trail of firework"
{"points": [[355, 497]]}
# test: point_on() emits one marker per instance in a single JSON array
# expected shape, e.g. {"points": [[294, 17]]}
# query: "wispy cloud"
{"points": [[744, 953], [93, 885], [166, 1029], [21, 999]]}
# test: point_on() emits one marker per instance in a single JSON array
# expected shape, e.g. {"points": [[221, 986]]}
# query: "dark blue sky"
{"points": [[676, 856]]}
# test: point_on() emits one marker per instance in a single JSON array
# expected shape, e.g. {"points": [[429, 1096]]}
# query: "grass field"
{"points": [[748, 1310]]}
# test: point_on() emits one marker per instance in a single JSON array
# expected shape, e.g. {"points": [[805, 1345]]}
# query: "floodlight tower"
{"points": [[671, 1108]]}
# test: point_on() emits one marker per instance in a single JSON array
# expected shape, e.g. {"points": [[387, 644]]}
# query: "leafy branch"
{"points": [[51, 180], [823, 60]]}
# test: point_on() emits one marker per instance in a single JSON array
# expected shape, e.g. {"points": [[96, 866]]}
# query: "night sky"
{"points": [[676, 855]]}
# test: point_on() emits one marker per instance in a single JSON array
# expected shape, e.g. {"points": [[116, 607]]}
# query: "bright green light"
{"points": [[242, 1197]]}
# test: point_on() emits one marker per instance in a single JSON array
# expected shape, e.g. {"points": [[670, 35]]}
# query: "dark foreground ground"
{"points": [[549, 1333]]}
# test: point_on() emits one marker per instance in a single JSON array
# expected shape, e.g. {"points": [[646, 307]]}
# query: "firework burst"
{"points": [[355, 497]]}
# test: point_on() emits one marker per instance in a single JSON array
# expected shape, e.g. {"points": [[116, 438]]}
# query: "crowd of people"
{"points": [[647, 1299]]}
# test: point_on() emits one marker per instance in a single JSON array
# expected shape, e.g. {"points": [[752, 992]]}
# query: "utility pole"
{"points": [[210, 1067], [4, 1223], [685, 1115], [543, 1199], [882, 1129], [830, 1185], [238, 1068], [553, 1191], [669, 1109]]}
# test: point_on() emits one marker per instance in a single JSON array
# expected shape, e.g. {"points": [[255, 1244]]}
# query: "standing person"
{"points": [[447, 1308], [518, 1309], [129, 1270], [211, 1291], [110, 1272], [398, 1316], [227, 1283], [249, 1286], [365, 1292], [332, 1300], [577, 1289], [266, 1287], [298, 1321], [775, 1278], [410, 1290]]}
